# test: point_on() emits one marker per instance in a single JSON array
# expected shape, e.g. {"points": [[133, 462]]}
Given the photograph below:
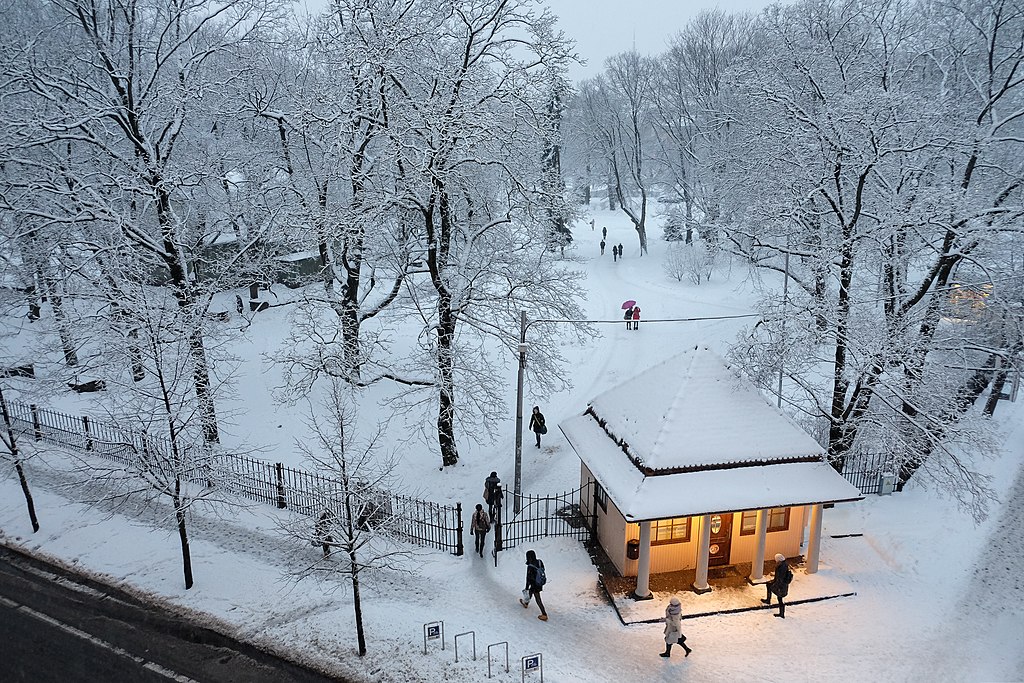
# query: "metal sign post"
{"points": [[433, 630], [531, 663]]}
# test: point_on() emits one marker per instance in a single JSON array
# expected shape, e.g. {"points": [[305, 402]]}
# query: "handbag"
{"points": [[526, 596], [543, 429]]}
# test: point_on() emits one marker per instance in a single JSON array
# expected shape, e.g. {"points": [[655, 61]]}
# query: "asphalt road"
{"points": [[55, 626]]}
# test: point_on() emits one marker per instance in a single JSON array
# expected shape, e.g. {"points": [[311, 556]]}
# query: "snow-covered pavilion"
{"points": [[692, 467]]}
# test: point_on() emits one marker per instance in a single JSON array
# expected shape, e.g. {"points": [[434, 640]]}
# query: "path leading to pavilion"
{"points": [[731, 593]]}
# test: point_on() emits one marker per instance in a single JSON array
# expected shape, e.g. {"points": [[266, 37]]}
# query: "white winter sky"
{"points": [[602, 28]]}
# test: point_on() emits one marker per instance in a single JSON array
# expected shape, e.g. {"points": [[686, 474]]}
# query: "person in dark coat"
{"points": [[480, 524], [673, 628], [779, 585], [322, 532], [620, 250], [537, 425], [533, 590], [604, 233], [628, 317], [602, 247], [490, 484]]}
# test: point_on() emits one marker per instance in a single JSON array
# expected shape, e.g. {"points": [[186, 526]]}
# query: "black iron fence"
{"points": [[872, 473], [556, 515], [421, 522]]}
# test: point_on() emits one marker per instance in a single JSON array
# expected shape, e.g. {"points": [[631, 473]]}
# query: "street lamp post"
{"points": [[517, 490]]}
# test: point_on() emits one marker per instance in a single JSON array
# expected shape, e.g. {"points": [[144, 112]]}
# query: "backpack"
{"points": [[539, 577]]}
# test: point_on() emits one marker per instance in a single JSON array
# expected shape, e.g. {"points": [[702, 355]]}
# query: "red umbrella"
{"points": [[628, 304]]}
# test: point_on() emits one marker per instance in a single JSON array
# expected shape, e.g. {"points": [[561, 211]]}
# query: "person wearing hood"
{"points": [[537, 424], [534, 585], [673, 628], [490, 486], [779, 585]]}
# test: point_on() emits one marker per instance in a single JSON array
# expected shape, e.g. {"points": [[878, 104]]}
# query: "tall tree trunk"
{"points": [[446, 390], [185, 295], [357, 601], [841, 433], [179, 515], [12, 444], [28, 495]]}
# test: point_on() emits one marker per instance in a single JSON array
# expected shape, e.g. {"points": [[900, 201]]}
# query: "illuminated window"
{"points": [[778, 520], [670, 531]]}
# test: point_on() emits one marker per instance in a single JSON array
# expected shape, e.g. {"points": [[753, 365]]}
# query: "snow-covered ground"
{"points": [[938, 596]]}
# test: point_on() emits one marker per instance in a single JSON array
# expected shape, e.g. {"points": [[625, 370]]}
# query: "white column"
{"points": [[700, 582], [761, 532], [643, 568], [814, 541]]}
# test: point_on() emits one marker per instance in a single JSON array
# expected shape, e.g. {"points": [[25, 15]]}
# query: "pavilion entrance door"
{"points": [[721, 540]]}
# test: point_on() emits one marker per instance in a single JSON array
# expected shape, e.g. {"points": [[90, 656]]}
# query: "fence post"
{"points": [[88, 438], [281, 501], [459, 550], [35, 422]]}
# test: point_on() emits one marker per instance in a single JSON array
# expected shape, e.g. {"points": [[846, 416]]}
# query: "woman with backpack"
{"points": [[537, 425], [480, 524], [535, 580]]}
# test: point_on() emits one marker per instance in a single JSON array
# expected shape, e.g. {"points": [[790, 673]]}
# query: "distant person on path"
{"points": [[673, 628], [779, 585], [615, 253], [535, 580], [628, 317], [636, 317], [480, 524], [620, 250], [537, 425], [322, 532], [604, 233], [491, 484], [602, 247]]}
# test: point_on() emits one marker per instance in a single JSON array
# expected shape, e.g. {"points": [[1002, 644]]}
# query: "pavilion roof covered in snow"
{"points": [[691, 437]]}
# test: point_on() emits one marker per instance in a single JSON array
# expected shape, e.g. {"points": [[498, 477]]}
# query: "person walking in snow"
{"points": [[322, 532], [620, 251], [628, 317], [602, 247], [673, 628], [480, 524], [535, 580], [779, 585], [636, 317], [615, 253], [491, 483], [604, 233], [537, 425]]}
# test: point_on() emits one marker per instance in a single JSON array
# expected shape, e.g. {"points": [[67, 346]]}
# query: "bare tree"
{"points": [[114, 124], [13, 454], [618, 107], [353, 512], [857, 157]]}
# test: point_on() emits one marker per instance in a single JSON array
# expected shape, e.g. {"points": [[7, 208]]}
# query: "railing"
{"points": [[417, 521], [866, 470], [556, 515]]}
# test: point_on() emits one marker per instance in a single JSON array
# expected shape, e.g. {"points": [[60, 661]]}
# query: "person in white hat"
{"points": [[779, 585], [673, 628]]}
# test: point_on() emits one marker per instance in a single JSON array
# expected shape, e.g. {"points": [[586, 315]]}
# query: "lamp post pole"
{"points": [[517, 489]]}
